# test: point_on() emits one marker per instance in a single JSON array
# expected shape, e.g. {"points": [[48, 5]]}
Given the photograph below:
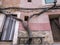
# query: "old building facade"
{"points": [[40, 26]]}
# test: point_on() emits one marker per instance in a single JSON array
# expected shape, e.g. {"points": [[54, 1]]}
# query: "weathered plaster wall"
{"points": [[32, 4], [40, 26], [11, 3], [37, 23]]}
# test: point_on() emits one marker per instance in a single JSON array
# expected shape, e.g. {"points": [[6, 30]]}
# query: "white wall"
{"points": [[58, 1], [15, 39], [2, 17]]}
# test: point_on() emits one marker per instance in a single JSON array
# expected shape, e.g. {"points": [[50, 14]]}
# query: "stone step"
{"points": [[5, 43]]}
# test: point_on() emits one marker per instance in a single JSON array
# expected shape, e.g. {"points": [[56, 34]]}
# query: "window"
{"points": [[8, 29], [29, 0], [26, 18], [49, 1]]}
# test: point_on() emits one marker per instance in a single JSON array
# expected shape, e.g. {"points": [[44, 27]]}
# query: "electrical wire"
{"points": [[19, 8]]}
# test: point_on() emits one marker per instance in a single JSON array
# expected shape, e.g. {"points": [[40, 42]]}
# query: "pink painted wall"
{"points": [[38, 23], [37, 26]]}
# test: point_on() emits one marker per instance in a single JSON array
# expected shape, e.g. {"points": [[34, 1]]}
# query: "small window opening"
{"points": [[26, 18], [29, 0]]}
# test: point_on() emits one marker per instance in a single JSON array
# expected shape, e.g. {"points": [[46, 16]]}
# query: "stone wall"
{"points": [[47, 34]]}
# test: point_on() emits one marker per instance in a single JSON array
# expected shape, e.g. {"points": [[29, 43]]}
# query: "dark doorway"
{"points": [[55, 26]]}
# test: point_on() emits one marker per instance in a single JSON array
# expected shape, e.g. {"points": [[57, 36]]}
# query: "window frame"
{"points": [[9, 40], [44, 3], [17, 14]]}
